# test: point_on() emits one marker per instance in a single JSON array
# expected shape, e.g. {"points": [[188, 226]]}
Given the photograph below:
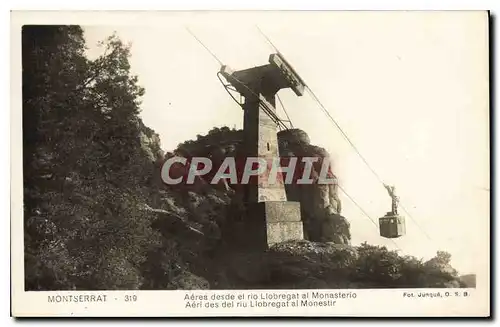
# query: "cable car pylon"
{"points": [[313, 95], [279, 121]]}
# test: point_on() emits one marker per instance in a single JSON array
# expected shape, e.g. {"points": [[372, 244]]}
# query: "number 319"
{"points": [[130, 298]]}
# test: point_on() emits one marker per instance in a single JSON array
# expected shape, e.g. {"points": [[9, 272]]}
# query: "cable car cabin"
{"points": [[392, 226]]}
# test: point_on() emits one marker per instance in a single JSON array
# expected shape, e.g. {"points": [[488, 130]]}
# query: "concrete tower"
{"points": [[270, 217]]}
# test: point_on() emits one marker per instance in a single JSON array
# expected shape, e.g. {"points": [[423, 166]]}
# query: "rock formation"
{"points": [[320, 203], [204, 220]]}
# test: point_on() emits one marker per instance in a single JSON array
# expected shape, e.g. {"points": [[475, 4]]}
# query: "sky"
{"points": [[410, 89]]}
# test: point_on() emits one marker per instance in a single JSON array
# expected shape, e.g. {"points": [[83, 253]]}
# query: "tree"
{"points": [[377, 265], [380, 267], [85, 170], [53, 67]]}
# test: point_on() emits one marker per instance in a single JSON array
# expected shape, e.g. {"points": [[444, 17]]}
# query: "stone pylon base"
{"points": [[272, 222]]}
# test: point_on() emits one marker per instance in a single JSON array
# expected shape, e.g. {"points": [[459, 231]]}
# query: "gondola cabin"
{"points": [[392, 226]]}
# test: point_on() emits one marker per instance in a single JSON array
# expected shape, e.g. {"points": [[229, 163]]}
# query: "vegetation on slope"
{"points": [[96, 215]]}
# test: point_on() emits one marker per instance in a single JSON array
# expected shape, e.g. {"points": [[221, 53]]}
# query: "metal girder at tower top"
{"points": [[267, 79], [294, 80]]}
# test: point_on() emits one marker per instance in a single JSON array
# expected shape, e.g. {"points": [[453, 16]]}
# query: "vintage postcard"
{"points": [[199, 164]]}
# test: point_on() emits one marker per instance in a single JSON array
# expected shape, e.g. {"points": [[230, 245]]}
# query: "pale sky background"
{"points": [[409, 89]]}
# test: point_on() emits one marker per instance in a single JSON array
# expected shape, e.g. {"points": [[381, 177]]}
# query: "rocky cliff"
{"points": [[203, 218], [320, 203]]}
